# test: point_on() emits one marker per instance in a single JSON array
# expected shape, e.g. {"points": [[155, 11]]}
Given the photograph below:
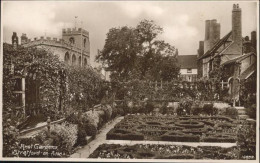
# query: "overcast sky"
{"points": [[183, 22]]}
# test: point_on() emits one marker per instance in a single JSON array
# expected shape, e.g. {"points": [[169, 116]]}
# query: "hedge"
{"points": [[219, 139], [180, 137], [116, 134]]}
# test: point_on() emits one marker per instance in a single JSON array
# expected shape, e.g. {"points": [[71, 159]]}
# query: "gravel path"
{"points": [[100, 139]]}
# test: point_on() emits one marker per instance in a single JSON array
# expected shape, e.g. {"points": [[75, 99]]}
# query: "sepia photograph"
{"points": [[157, 81]]}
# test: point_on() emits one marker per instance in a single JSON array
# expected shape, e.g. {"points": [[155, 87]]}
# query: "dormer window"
{"points": [[189, 70], [72, 40]]}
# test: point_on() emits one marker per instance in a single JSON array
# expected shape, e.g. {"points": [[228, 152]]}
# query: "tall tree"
{"points": [[137, 53]]}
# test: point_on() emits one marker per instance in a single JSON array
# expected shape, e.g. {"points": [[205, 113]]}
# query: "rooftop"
{"points": [[187, 61]]}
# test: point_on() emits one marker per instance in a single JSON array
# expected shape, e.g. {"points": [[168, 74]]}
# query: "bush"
{"points": [[196, 109], [90, 129], [208, 109], [116, 134], [72, 118], [81, 135], [251, 111], [184, 106], [231, 112], [148, 107], [67, 133]]}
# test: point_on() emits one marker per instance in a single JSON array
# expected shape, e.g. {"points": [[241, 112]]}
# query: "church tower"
{"points": [[79, 38], [14, 40]]}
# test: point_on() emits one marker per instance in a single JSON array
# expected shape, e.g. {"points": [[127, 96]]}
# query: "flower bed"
{"points": [[174, 128], [155, 151]]}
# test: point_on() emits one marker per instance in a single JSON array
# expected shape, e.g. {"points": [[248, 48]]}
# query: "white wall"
{"points": [[193, 72]]}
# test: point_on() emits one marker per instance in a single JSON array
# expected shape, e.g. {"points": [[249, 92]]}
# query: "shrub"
{"points": [[116, 134], [185, 106], [196, 109], [81, 140], [231, 112], [251, 111], [72, 118], [67, 133], [208, 109], [90, 129]]}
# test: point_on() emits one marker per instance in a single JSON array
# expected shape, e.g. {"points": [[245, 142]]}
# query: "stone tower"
{"points": [[14, 40], [24, 39], [237, 29], [79, 38], [212, 34]]}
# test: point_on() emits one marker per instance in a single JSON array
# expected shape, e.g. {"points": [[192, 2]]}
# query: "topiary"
{"points": [[90, 129], [231, 112]]}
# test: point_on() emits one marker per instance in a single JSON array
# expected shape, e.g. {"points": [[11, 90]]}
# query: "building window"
{"points": [[67, 57], [85, 62], [72, 40], [189, 70], [73, 59], [85, 42], [80, 60]]}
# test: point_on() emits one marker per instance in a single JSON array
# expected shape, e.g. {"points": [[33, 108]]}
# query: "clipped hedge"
{"points": [[190, 124], [176, 136], [116, 134], [219, 139]]}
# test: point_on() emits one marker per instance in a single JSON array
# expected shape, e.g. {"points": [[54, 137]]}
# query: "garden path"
{"points": [[100, 139], [193, 144]]}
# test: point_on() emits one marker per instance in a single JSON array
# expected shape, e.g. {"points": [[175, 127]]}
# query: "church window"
{"points": [[73, 59], [72, 40], [67, 57]]}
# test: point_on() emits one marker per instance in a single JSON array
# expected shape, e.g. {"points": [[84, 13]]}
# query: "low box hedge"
{"points": [[180, 138], [116, 134], [219, 139]]}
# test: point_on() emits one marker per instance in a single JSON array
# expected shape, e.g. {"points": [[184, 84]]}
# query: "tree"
{"points": [[136, 53]]}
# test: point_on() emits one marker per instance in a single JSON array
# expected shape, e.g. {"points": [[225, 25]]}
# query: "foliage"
{"points": [[67, 134], [209, 109], [247, 141], [85, 87], [146, 57], [184, 106], [196, 108], [10, 140], [231, 112], [251, 111], [90, 129]]}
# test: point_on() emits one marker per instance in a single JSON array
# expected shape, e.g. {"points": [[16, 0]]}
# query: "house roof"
{"points": [[187, 61], [216, 46], [237, 59], [248, 72]]}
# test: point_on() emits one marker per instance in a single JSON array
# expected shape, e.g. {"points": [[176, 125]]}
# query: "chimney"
{"points": [[212, 34], [24, 38], [253, 39], [237, 28], [207, 25], [14, 40], [201, 48]]}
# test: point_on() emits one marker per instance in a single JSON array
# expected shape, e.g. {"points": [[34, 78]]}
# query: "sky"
{"points": [[183, 22]]}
